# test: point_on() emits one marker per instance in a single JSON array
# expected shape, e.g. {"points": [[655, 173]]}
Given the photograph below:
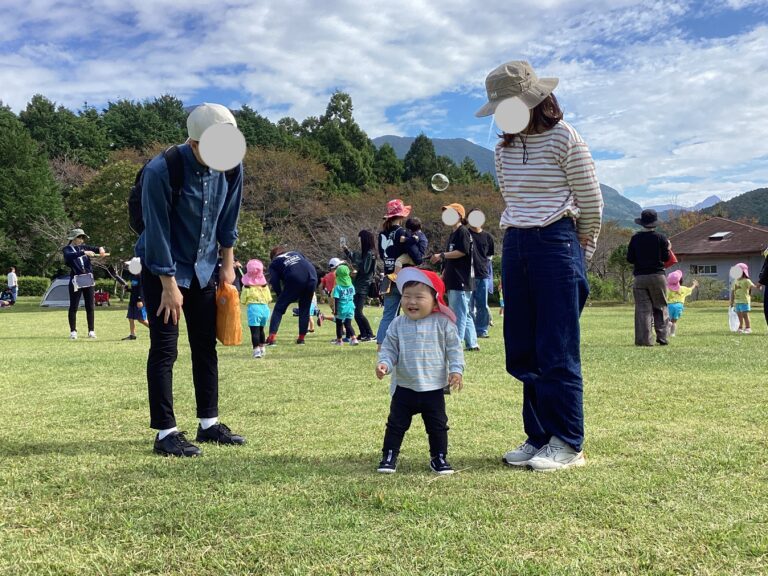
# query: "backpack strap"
{"points": [[175, 171]]}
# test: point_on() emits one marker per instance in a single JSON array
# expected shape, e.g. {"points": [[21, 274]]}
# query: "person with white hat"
{"points": [[179, 250], [137, 312], [77, 255], [551, 223]]}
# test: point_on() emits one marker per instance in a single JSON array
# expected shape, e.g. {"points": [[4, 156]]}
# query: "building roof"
{"points": [[720, 236]]}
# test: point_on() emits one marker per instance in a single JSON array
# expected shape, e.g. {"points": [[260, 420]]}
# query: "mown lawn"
{"points": [[677, 445]]}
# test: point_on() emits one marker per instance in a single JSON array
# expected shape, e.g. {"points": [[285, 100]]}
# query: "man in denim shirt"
{"points": [[179, 250]]}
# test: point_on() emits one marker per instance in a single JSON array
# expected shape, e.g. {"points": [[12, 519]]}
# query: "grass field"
{"points": [[676, 482]]}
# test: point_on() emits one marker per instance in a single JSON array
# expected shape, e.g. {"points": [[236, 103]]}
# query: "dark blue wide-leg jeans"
{"points": [[545, 289]]}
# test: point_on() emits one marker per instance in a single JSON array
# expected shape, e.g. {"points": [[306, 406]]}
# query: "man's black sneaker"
{"points": [[388, 464], [176, 444], [130, 337], [440, 465], [662, 342], [219, 433], [300, 341]]}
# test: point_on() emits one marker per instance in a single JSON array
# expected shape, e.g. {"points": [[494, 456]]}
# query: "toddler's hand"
{"points": [[455, 381], [381, 370]]}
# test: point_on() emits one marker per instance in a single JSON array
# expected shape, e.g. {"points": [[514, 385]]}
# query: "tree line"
{"points": [[306, 182]]}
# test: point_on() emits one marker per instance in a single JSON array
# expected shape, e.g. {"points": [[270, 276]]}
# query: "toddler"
{"points": [[257, 296], [423, 353]]}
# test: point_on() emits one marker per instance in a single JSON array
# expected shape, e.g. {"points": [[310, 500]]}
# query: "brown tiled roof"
{"points": [[744, 238]]}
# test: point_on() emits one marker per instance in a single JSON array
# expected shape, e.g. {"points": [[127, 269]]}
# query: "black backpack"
{"points": [[176, 177]]}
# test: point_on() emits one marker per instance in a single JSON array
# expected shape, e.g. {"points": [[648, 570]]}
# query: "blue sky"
{"points": [[672, 97]]}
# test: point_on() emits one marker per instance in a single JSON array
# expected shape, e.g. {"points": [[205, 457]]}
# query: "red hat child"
{"points": [[413, 274]]}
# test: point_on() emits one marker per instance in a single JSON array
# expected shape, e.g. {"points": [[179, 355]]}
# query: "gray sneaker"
{"points": [[555, 456], [520, 455]]}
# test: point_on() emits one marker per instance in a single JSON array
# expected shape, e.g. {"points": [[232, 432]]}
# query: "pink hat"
{"points": [[413, 274], [673, 280], [255, 274], [396, 208], [744, 268]]}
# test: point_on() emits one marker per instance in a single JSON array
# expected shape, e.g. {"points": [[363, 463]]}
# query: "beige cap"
{"points": [[205, 116]]}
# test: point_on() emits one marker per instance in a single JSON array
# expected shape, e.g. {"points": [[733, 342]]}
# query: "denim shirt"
{"points": [[183, 240]]}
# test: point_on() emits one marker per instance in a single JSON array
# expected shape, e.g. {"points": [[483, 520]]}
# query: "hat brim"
{"points": [[412, 274], [402, 214], [653, 224], [531, 100]]}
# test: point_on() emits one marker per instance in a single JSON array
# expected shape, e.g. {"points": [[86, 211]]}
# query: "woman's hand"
{"points": [[89, 253]]}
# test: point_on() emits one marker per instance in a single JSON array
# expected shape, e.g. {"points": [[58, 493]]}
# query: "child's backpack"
{"points": [[175, 164], [176, 176]]}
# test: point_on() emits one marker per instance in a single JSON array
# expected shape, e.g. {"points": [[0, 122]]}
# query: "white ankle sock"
{"points": [[163, 433], [206, 423]]}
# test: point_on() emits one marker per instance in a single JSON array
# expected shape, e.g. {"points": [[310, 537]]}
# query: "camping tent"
{"points": [[58, 293]]}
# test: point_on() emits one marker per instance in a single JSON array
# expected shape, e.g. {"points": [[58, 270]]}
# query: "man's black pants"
{"points": [[431, 405], [200, 314]]}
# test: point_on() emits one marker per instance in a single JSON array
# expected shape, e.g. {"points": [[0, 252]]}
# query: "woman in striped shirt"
{"points": [[551, 221]]}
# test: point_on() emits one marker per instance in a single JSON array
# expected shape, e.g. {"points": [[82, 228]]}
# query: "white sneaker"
{"points": [[256, 353], [73, 335], [520, 455], [92, 334], [747, 331], [263, 352], [555, 456]]}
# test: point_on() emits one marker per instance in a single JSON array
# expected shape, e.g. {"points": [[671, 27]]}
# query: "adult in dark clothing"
{"points": [[390, 249], [77, 256], [179, 250], [365, 264], [458, 277], [647, 252], [293, 278], [484, 247], [762, 280]]}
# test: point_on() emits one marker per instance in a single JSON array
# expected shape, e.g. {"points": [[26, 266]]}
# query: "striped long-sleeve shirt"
{"points": [[557, 180], [421, 353]]}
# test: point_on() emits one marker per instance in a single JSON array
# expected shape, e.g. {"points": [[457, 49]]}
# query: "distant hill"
{"points": [[666, 211], [619, 208], [454, 148], [753, 204]]}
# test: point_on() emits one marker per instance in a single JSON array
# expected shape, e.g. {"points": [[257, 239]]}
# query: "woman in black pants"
{"points": [[77, 256], [365, 264]]}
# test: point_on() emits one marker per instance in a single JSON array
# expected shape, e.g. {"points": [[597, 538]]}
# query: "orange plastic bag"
{"points": [[229, 330]]}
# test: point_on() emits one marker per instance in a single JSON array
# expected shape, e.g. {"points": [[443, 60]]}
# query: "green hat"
{"points": [[75, 232], [342, 276]]}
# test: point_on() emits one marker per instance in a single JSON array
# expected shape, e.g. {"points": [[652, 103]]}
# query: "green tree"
{"points": [[101, 207], [27, 192], [252, 241], [420, 161], [138, 125], [387, 167], [621, 269], [469, 171], [259, 131], [347, 152], [62, 134]]}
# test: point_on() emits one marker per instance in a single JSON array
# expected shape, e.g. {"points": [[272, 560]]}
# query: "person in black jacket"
{"points": [[365, 264], [293, 278], [77, 256], [647, 251], [762, 281]]}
